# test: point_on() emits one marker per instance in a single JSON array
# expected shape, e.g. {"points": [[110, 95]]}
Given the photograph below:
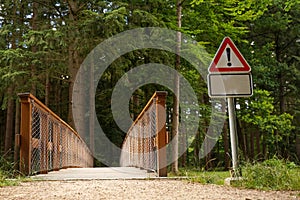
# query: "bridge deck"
{"points": [[102, 173]]}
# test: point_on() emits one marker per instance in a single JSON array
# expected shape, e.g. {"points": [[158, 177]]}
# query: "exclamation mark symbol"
{"points": [[228, 57]]}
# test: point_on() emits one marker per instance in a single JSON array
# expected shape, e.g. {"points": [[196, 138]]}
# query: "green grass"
{"points": [[8, 182], [273, 174], [204, 177], [8, 175]]}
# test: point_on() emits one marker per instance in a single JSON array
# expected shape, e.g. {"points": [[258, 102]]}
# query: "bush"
{"points": [[273, 174]]}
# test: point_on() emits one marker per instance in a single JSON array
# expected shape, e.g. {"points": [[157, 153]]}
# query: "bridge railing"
{"points": [[46, 141], [145, 143]]}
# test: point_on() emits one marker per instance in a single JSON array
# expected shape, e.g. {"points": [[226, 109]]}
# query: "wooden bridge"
{"points": [[48, 144]]}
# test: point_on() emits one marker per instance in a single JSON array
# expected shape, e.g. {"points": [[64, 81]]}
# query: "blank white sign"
{"points": [[229, 85]]}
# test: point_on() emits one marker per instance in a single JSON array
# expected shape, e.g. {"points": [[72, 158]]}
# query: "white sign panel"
{"points": [[229, 85]]}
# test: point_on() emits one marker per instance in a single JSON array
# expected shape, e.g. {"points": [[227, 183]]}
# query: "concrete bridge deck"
{"points": [[101, 173]]}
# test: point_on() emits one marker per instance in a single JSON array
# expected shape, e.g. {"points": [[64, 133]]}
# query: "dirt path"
{"points": [[133, 189]]}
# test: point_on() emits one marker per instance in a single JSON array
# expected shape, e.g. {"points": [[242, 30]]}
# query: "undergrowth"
{"points": [[273, 174], [8, 175]]}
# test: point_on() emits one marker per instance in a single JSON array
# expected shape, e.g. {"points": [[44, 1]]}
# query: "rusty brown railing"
{"points": [[46, 141], [145, 143]]}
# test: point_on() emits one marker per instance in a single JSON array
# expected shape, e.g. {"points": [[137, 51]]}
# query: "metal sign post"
{"points": [[233, 136]]}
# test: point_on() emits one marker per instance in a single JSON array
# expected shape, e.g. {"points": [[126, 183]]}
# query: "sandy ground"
{"points": [[134, 189]]}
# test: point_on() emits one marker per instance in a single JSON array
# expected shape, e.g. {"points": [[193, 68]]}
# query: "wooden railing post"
{"points": [[25, 134], [161, 133], [44, 144], [55, 146]]}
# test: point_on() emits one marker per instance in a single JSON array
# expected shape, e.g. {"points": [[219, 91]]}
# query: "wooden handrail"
{"points": [[160, 94], [24, 96]]}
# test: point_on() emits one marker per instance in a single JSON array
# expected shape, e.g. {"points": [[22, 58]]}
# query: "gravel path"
{"points": [[133, 189]]}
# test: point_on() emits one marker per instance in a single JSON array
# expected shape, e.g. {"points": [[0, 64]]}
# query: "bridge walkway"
{"points": [[100, 173]]}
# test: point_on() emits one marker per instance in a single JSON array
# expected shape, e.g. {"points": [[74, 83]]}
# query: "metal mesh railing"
{"points": [[144, 144], [47, 142]]}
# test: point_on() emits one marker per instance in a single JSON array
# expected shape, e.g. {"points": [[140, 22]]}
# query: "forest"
{"points": [[43, 44]]}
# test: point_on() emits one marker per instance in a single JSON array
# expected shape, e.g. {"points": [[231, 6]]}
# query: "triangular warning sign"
{"points": [[228, 59]]}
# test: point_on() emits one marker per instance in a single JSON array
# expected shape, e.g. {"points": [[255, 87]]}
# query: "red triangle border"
{"points": [[213, 69]]}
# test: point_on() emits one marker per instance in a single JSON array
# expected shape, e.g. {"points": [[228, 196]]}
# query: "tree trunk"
{"points": [[197, 149], [246, 146], [280, 75], [257, 140], [57, 97], [252, 145], [74, 58], [47, 90], [72, 72], [208, 157], [34, 25], [9, 124], [17, 135], [8, 137], [298, 146], [175, 121], [244, 140], [183, 146], [264, 145], [92, 107]]}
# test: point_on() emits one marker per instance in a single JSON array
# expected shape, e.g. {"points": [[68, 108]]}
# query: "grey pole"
{"points": [[233, 135]]}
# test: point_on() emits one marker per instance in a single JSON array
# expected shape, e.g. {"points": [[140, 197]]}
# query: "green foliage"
{"points": [[260, 112], [273, 174], [222, 18], [7, 167]]}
